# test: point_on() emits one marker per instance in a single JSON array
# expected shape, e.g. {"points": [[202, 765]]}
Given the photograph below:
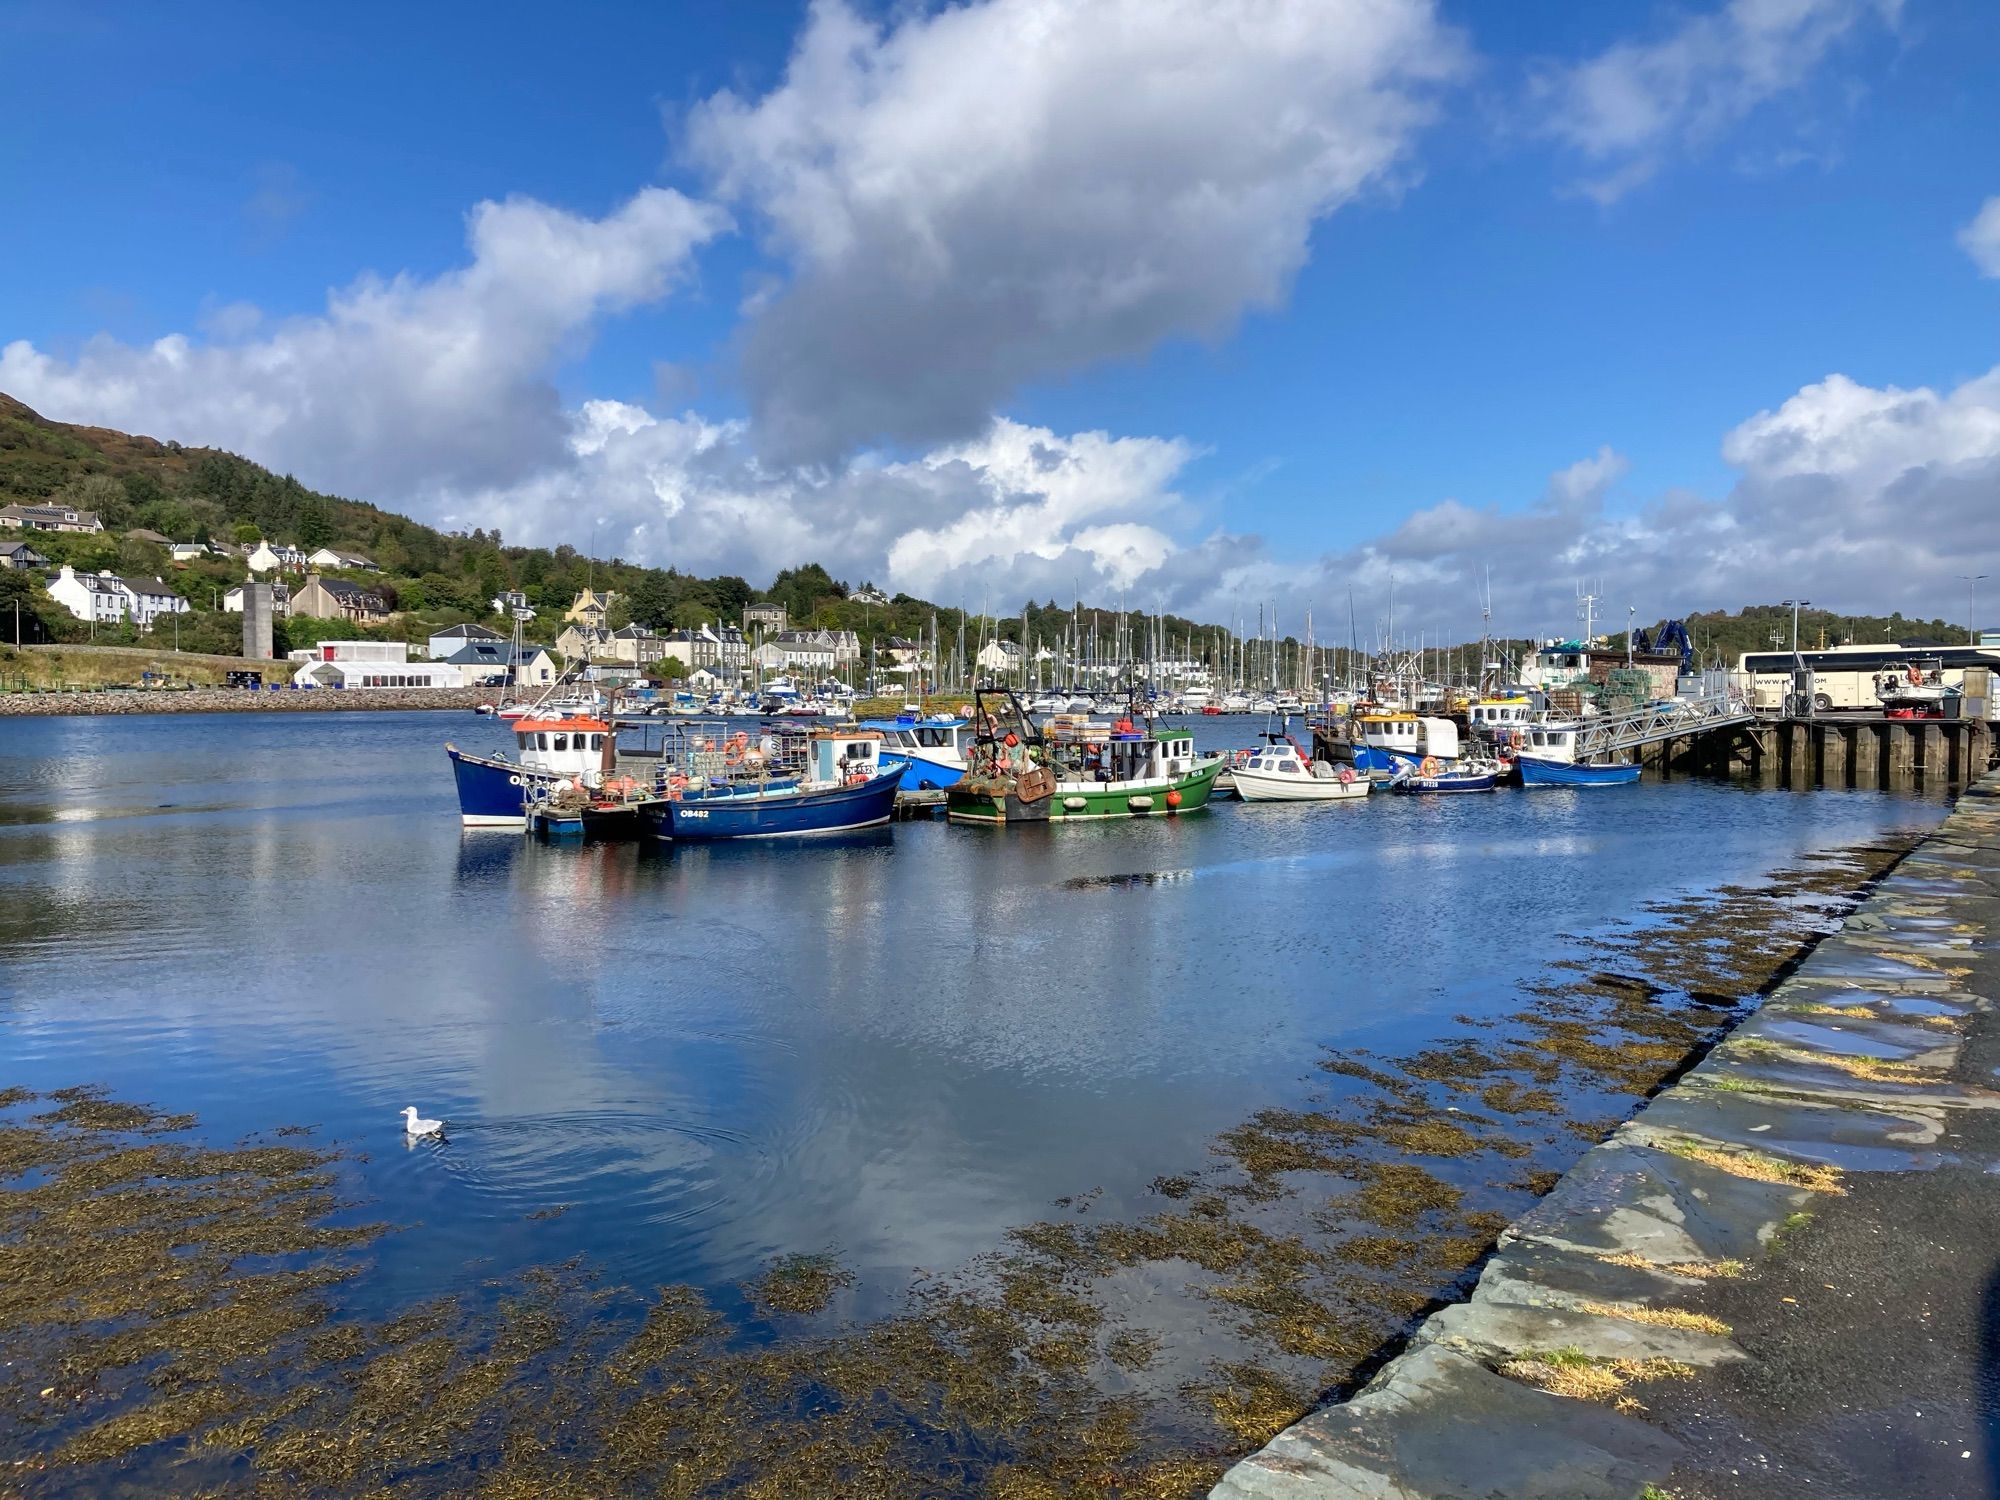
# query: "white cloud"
{"points": [[1017, 507], [1628, 106], [402, 384], [988, 194], [1864, 499], [1981, 238]]}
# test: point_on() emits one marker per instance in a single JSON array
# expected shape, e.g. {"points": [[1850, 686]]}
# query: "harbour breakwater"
{"points": [[1776, 1276], [238, 700]]}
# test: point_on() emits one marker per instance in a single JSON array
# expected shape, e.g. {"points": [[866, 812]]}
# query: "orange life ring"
{"points": [[1429, 768], [733, 756], [856, 778], [1011, 740], [1346, 776]]}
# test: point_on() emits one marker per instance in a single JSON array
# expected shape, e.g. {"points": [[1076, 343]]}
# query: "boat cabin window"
{"points": [[932, 737]]}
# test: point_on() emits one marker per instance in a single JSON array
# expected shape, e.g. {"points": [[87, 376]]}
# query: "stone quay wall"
{"points": [[239, 700], [1847, 1119]]}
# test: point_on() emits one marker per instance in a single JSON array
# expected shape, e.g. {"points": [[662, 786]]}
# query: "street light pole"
{"points": [[1972, 625], [1802, 702]]}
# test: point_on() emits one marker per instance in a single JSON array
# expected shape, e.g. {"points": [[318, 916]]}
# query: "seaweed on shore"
{"points": [[173, 1304]]}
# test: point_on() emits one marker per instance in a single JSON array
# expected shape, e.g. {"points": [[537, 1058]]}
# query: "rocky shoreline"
{"points": [[238, 700]]}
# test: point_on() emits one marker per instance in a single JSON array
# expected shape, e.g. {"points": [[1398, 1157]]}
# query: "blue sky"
{"points": [[1584, 228]]}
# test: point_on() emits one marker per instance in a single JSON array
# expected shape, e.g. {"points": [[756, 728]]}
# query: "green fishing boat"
{"points": [[1075, 769]]}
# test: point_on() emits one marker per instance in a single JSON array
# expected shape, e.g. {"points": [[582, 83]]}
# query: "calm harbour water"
{"points": [[891, 1047]]}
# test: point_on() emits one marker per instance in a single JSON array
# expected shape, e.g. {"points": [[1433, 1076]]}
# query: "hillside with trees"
{"points": [[434, 578]]}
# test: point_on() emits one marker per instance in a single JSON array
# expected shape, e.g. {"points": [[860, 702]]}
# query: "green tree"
{"points": [[315, 524], [247, 534]]}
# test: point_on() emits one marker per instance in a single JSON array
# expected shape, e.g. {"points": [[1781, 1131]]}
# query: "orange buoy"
{"points": [[1173, 797]]}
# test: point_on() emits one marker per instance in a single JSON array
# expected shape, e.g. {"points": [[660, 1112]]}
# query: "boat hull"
{"points": [[1085, 801], [921, 774], [1564, 773], [1445, 785], [494, 793], [786, 812]]}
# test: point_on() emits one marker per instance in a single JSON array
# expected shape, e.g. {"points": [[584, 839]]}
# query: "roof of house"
{"points": [[488, 653], [151, 586], [350, 593], [467, 633], [51, 512], [10, 548], [632, 633], [144, 535]]}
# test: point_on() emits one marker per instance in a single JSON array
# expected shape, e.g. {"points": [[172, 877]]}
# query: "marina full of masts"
{"points": [[795, 760]]}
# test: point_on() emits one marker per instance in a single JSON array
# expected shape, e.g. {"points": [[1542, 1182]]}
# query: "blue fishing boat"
{"points": [[844, 784], [1537, 771], [556, 750], [1470, 776]]}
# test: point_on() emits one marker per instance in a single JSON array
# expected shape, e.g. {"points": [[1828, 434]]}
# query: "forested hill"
{"points": [[1721, 636], [204, 494]]}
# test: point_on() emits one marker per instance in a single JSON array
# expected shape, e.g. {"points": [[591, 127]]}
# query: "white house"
{"points": [[90, 596], [371, 664], [186, 552], [326, 557], [266, 557], [794, 651], [107, 599], [49, 518], [868, 594], [455, 637], [481, 662], [148, 599], [281, 600], [999, 656], [511, 604]]}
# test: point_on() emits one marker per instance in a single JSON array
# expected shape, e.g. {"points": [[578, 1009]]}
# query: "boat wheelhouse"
{"points": [[1384, 741], [555, 750], [931, 751]]}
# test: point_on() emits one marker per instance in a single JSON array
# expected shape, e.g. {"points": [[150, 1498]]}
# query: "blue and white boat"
{"points": [[844, 785], [556, 750], [1386, 742], [1535, 771], [1546, 756], [930, 751]]}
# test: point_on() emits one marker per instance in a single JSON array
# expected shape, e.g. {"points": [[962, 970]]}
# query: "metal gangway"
{"points": [[1667, 719]]}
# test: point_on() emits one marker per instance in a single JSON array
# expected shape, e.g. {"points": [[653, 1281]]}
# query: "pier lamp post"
{"points": [[1972, 625], [1802, 699]]}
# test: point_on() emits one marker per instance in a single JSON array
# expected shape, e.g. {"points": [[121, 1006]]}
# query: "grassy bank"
{"points": [[66, 668]]}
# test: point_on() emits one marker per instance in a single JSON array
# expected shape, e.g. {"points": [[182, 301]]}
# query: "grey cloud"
{"points": [[1001, 192]]}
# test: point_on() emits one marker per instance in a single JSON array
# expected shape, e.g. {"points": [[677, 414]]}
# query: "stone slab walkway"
{"points": [[1781, 1277]]}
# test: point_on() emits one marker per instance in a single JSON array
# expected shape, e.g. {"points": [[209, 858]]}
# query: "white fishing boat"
{"points": [[1279, 773]]}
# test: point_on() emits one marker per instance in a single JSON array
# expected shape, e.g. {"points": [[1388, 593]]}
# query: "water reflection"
{"points": [[896, 1045]]}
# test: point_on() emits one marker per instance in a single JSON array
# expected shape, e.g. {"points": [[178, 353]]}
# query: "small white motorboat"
{"points": [[1279, 773]]}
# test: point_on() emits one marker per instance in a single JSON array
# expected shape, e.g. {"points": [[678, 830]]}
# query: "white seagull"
{"points": [[416, 1126]]}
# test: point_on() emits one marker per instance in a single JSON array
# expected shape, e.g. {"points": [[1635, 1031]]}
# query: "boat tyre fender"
{"points": [[1139, 804]]}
